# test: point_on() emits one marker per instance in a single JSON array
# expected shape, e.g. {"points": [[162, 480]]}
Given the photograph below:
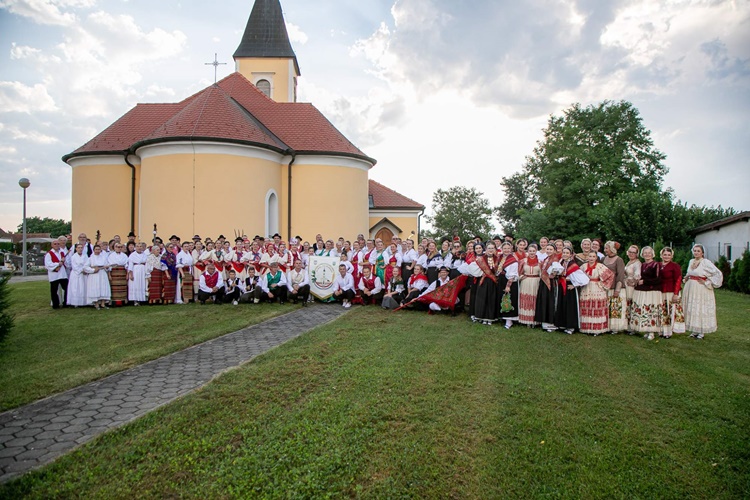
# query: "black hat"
{"points": [[277, 235], [238, 238], [221, 237], [174, 237], [158, 240], [196, 238], [444, 268], [256, 237], [496, 237], [131, 234]]}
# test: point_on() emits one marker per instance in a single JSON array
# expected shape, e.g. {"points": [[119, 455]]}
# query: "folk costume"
{"points": [[618, 306], [370, 290], [416, 283], [632, 276], [211, 287], [394, 293], [698, 296], [118, 274], [57, 274], [508, 275], [170, 292], [546, 298], [408, 261], [137, 277], [184, 266], [76, 294], [568, 284], [155, 278], [298, 286], [344, 284], [484, 304], [393, 261], [97, 279], [233, 288], [274, 283], [672, 319], [646, 311], [253, 291], [433, 263], [528, 289], [593, 301]]}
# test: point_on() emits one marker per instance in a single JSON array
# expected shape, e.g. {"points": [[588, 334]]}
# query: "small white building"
{"points": [[729, 237]]}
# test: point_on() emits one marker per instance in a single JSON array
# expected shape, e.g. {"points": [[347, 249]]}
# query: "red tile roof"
{"points": [[385, 197], [232, 110]]}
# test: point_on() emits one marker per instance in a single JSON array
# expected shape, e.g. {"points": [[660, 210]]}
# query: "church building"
{"points": [[240, 155]]}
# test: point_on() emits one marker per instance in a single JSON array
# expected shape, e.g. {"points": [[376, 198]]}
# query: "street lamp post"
{"points": [[24, 183]]}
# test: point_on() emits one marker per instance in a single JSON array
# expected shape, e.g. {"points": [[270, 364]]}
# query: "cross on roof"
{"points": [[215, 64]]}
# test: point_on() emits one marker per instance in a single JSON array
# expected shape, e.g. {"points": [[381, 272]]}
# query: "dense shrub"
{"points": [[6, 320]]}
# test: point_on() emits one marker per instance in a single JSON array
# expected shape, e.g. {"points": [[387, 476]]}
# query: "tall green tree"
{"points": [[55, 227], [520, 198], [588, 156], [460, 209]]}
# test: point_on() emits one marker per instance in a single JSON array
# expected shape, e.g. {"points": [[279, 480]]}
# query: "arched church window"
{"points": [[264, 86]]}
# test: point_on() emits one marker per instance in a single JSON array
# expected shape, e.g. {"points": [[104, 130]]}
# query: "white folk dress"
{"points": [[76, 294], [97, 283], [698, 298], [137, 286]]}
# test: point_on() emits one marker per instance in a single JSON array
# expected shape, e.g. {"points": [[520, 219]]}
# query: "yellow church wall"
{"points": [[329, 199], [407, 224], [279, 71], [209, 193], [101, 190]]}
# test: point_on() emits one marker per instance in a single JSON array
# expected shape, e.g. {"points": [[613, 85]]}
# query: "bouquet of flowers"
{"points": [[505, 304]]}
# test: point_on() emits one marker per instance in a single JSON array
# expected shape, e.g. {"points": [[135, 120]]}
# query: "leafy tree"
{"points": [[462, 209], [588, 156], [55, 227], [520, 198], [739, 279], [6, 320]]}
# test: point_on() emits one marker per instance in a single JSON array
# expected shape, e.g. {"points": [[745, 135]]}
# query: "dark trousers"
{"points": [[302, 294], [251, 295], [218, 296], [371, 299], [233, 295], [53, 287], [345, 295], [279, 293]]}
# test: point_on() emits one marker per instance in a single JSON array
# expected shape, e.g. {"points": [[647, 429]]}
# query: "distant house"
{"points": [[728, 237]]}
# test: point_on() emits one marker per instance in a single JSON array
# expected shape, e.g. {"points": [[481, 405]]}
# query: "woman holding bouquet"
{"points": [[507, 285]]}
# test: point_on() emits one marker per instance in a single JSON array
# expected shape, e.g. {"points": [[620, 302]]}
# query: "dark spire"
{"points": [[265, 34]]}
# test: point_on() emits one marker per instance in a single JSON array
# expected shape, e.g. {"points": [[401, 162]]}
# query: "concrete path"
{"points": [[36, 434], [17, 278]]}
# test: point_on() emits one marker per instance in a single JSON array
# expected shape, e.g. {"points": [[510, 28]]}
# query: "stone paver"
{"points": [[40, 432]]}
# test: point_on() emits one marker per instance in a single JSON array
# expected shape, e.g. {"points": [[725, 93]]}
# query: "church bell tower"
{"points": [[265, 55]]}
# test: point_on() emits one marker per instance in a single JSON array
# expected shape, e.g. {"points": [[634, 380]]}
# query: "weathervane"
{"points": [[215, 64]]}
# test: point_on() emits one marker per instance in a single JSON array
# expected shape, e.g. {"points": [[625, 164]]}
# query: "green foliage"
{"points": [[597, 173], [6, 319], [739, 279], [55, 227], [462, 210], [726, 269]]}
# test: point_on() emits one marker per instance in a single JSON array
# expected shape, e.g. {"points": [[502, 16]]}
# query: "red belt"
{"points": [[697, 278], [594, 279]]}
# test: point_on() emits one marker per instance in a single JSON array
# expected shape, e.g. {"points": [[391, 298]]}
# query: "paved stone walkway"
{"points": [[36, 434]]}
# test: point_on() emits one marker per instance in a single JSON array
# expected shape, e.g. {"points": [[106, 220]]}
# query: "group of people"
{"points": [[546, 284]]}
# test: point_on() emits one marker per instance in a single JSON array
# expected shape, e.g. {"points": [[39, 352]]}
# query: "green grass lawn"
{"points": [[384, 405], [50, 351]]}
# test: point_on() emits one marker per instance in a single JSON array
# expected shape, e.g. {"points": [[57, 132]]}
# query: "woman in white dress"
{"points": [[698, 295], [632, 276], [76, 294], [98, 291]]}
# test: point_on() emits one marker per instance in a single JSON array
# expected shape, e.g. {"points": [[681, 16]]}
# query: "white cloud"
{"points": [[296, 34], [21, 98], [35, 136]]}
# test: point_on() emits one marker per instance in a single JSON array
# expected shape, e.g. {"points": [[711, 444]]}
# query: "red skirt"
{"points": [[169, 290], [119, 285], [155, 287], [187, 287]]}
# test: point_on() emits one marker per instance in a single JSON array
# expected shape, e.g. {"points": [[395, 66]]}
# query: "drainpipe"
{"points": [[132, 192], [289, 196], [419, 225]]}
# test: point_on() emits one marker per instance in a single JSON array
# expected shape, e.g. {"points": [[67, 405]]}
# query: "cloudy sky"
{"points": [[440, 92]]}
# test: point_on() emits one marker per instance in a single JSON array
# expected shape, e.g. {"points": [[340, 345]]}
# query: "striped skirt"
{"points": [[155, 287], [187, 288], [170, 287], [119, 285]]}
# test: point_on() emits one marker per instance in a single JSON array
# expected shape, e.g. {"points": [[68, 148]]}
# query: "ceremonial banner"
{"points": [[323, 272], [445, 296]]}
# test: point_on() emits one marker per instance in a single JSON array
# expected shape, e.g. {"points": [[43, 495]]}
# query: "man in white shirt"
{"points": [[233, 288], [298, 284], [253, 290], [211, 285], [343, 287], [443, 278], [274, 284], [54, 261], [370, 286]]}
